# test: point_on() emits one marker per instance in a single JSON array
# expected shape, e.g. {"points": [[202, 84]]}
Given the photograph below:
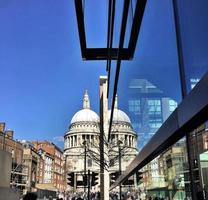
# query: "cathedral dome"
{"points": [[118, 115], [85, 115]]}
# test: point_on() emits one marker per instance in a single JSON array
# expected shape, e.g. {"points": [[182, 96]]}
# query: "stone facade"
{"points": [[84, 134]]}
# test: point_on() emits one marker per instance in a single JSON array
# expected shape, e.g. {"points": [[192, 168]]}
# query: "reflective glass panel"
{"points": [[166, 176], [193, 27], [149, 86], [198, 143]]}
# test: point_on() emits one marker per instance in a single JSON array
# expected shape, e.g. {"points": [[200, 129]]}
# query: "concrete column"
{"points": [[104, 174], [69, 141], [75, 141], [81, 140], [132, 142], [66, 142]]}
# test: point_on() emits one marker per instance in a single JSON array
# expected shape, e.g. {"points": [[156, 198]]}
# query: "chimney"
{"points": [[9, 134]]}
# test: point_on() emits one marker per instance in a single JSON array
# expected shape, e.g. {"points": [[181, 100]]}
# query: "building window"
{"points": [[134, 106], [136, 126], [89, 162], [193, 82], [155, 123], [172, 105], [205, 141], [154, 107]]}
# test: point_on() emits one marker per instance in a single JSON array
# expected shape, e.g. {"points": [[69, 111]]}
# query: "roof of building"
{"points": [[118, 115]]}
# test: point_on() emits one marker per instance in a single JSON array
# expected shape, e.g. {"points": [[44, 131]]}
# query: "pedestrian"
{"points": [[30, 196]]}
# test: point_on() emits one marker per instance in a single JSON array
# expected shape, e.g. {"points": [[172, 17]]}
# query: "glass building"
{"points": [[157, 63], [149, 107]]}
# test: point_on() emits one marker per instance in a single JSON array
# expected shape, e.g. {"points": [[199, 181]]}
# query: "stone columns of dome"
{"points": [[65, 142], [119, 137], [89, 139], [132, 141], [92, 139], [69, 141], [75, 140], [71, 138], [81, 139]]}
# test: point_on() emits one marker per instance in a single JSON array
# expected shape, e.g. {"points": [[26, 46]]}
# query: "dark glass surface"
{"points": [[193, 31], [149, 86]]}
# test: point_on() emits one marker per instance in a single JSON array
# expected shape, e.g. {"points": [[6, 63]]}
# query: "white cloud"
{"points": [[58, 138]]}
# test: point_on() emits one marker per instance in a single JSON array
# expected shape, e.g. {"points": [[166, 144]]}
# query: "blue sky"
{"points": [[43, 77]]}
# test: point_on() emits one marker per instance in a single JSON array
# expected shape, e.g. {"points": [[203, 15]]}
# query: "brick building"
{"points": [[54, 176], [31, 163], [8, 144]]}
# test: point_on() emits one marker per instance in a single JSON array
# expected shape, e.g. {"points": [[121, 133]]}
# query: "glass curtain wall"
{"points": [[193, 30], [149, 85], [198, 139], [149, 90], [167, 176]]}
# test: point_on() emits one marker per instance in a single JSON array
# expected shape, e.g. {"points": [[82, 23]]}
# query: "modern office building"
{"points": [[148, 108]]}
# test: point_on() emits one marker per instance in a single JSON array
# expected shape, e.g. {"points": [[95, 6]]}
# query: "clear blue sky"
{"points": [[43, 77]]}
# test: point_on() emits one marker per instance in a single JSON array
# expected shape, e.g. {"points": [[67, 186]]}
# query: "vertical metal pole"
{"points": [[75, 185], [85, 163], [119, 151], [183, 85], [88, 181]]}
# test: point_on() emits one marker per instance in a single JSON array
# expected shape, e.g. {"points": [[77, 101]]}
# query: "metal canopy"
{"points": [[109, 52], [191, 113]]}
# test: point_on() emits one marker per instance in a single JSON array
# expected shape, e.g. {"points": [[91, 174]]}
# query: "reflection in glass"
{"points": [[199, 159], [148, 108], [149, 87], [193, 32], [167, 176]]}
